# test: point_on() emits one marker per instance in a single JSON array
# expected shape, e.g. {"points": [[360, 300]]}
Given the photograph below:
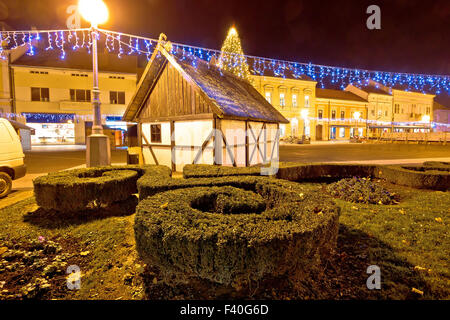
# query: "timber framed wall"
{"points": [[237, 142]]}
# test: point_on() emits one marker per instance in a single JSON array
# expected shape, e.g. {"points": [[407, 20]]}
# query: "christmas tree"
{"points": [[232, 56]]}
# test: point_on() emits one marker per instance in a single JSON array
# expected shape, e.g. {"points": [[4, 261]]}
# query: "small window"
{"points": [[40, 94], [342, 115], [320, 114], [428, 110], [372, 112], [282, 100], [397, 108], [117, 97], [333, 115], [80, 95], [294, 100], [269, 96], [155, 133], [306, 101]]}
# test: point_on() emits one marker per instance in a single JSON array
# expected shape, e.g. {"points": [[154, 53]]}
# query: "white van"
{"points": [[12, 166]]}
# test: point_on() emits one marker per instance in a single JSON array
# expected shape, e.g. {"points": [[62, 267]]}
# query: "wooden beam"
{"points": [[172, 144], [247, 163], [153, 155], [230, 153], [204, 116], [202, 148], [217, 142]]}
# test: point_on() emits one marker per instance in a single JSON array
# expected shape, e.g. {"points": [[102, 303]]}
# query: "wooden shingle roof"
{"points": [[231, 96]]}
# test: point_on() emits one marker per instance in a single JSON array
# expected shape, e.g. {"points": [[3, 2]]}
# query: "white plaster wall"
{"points": [[165, 132], [192, 133]]}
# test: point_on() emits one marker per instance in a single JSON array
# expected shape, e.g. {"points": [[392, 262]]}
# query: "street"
{"points": [[54, 158], [329, 152]]}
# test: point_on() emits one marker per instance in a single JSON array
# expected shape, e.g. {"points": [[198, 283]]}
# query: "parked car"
{"points": [[12, 166]]}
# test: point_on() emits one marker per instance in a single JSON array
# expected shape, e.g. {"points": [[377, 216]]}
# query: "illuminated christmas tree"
{"points": [[232, 57]]}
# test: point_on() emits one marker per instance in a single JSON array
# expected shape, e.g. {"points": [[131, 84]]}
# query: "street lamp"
{"points": [[426, 118], [304, 113], [356, 116], [98, 152]]}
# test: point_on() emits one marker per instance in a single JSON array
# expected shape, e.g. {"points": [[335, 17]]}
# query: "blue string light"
{"points": [[336, 76]]}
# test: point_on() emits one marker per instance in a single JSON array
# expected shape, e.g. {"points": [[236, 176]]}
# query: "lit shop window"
{"points": [[269, 96], [341, 132]]}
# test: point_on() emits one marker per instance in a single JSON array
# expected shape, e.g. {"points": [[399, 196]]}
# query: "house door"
{"points": [[319, 132]]}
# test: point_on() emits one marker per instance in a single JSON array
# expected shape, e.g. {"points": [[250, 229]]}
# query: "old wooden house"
{"points": [[190, 111]]}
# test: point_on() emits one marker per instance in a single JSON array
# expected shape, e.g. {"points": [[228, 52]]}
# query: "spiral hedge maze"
{"points": [[230, 226], [234, 229]]}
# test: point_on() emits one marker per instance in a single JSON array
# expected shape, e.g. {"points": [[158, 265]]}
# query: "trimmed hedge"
{"points": [[235, 229], [431, 175], [210, 171], [75, 190], [419, 177], [317, 171]]}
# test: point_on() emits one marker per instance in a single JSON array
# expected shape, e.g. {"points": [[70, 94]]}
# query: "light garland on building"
{"points": [[126, 44]]}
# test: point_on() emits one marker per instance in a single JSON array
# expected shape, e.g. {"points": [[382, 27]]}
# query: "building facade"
{"points": [[57, 102], [294, 99], [339, 115], [53, 95], [395, 110]]}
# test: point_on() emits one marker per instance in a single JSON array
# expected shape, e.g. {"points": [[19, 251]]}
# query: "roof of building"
{"points": [[372, 88], [338, 95], [281, 73], [231, 96], [79, 60]]}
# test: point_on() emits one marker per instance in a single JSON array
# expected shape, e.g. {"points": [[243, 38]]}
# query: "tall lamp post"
{"points": [[356, 116], [304, 114], [98, 150]]}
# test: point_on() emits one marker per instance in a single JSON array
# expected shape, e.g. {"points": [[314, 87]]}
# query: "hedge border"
{"points": [[74, 190], [435, 177]]}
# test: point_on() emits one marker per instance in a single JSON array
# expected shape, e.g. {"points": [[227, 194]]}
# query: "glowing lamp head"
{"points": [[426, 118], [93, 11], [304, 113], [357, 115]]}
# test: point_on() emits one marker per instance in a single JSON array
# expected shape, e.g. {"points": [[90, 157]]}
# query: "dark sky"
{"points": [[414, 35]]}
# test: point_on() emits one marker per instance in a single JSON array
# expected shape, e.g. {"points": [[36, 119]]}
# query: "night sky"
{"points": [[414, 35]]}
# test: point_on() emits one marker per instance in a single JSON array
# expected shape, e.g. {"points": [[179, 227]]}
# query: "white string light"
{"points": [[337, 76]]}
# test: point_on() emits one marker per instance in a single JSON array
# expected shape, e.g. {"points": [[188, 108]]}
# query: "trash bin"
{"points": [[133, 155], [133, 159]]}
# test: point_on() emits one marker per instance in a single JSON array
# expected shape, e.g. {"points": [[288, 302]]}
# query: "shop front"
{"points": [[51, 128]]}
